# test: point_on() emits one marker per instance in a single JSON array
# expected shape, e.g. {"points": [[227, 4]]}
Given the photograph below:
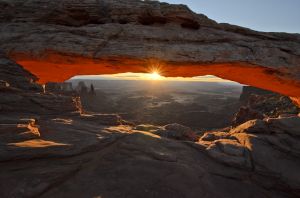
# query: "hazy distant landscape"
{"points": [[199, 105]]}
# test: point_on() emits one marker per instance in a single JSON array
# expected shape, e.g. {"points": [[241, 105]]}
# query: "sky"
{"points": [[261, 15], [151, 76]]}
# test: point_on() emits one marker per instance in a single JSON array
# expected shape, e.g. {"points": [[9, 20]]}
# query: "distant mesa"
{"points": [[67, 88]]}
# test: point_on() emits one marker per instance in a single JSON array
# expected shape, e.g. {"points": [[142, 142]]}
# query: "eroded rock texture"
{"points": [[48, 148], [259, 104], [71, 37], [51, 152]]}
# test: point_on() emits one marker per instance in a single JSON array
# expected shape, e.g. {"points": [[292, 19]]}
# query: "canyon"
{"points": [[50, 147], [161, 102]]}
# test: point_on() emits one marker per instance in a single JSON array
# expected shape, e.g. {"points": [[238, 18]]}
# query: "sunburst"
{"points": [[155, 75]]}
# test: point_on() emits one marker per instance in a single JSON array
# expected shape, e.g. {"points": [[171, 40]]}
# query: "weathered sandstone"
{"points": [[56, 40], [49, 149], [259, 104]]}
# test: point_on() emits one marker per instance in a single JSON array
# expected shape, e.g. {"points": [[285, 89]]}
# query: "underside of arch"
{"points": [[56, 41], [59, 68]]}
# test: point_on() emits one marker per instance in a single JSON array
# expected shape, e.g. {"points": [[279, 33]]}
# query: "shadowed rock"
{"points": [[60, 153], [259, 104], [177, 131]]}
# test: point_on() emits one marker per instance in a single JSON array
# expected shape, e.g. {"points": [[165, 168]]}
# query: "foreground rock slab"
{"points": [[86, 160]]}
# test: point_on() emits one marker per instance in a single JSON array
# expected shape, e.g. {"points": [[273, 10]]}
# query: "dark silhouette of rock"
{"points": [[60, 88], [248, 91], [24, 96], [92, 90], [245, 113], [4, 84], [16, 76], [81, 88]]}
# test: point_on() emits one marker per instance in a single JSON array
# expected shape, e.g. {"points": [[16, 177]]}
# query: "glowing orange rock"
{"points": [[63, 68]]}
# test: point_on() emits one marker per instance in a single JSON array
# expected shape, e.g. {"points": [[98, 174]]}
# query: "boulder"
{"points": [[211, 136], [289, 125], [252, 126], [274, 155], [230, 152], [14, 130], [178, 132]]}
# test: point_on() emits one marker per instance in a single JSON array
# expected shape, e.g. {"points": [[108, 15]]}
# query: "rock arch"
{"points": [[56, 41]]}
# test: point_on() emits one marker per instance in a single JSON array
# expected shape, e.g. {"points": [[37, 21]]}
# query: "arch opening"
{"points": [[58, 68], [202, 103]]}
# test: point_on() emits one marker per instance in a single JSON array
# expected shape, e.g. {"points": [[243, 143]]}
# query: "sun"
{"points": [[155, 76]]}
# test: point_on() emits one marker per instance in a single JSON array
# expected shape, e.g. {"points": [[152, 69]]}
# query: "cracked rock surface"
{"points": [[53, 154], [49, 149]]}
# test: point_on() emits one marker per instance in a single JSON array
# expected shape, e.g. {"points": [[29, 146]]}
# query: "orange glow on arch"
{"points": [[60, 67]]}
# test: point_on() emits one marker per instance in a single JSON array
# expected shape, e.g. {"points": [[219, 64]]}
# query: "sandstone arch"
{"points": [[57, 40]]}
